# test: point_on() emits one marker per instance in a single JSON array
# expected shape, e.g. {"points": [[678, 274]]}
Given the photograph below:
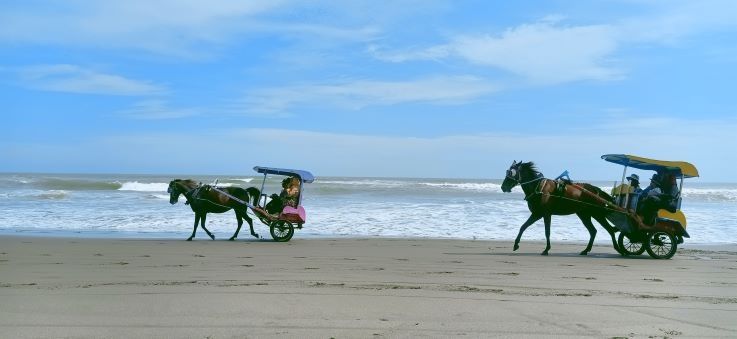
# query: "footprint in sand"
{"points": [[653, 279]]}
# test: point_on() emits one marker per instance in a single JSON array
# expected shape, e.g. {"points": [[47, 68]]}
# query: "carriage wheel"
{"points": [[282, 230], [628, 247], [660, 245]]}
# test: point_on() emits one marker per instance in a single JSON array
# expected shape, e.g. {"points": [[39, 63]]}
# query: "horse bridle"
{"points": [[519, 177], [186, 194]]}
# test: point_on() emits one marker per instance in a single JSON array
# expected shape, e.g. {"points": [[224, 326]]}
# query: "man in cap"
{"points": [[634, 180]]}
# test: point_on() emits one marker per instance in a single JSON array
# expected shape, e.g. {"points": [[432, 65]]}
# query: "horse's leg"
{"points": [[204, 217], [610, 229], [531, 220], [194, 230], [547, 218], [250, 224], [586, 220], [238, 216]]}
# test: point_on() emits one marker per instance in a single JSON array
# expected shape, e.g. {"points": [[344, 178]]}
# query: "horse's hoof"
{"points": [[231, 238], [189, 239], [212, 237], [255, 235], [544, 253], [516, 247], [584, 253]]}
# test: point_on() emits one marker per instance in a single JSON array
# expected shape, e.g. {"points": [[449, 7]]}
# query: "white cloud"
{"points": [[550, 52], [187, 29], [157, 110], [542, 53], [75, 79], [363, 93]]}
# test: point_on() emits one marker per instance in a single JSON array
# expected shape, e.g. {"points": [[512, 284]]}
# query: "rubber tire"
{"points": [[626, 251], [282, 231], [660, 251]]}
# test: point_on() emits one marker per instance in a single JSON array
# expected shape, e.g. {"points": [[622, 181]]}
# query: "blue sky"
{"points": [[366, 88]]}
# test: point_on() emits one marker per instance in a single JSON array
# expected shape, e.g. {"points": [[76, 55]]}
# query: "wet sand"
{"points": [[359, 288]]}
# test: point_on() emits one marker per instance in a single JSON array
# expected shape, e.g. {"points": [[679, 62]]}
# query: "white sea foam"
{"points": [[485, 187], [710, 194], [53, 194], [242, 179], [364, 207], [375, 183], [144, 187]]}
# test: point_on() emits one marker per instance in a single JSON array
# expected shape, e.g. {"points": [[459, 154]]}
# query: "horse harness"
{"points": [[538, 188]]}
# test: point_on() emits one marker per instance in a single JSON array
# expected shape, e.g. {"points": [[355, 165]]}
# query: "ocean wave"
{"points": [[246, 180], [710, 194], [52, 195], [484, 187], [375, 183], [158, 196], [76, 184], [144, 187]]}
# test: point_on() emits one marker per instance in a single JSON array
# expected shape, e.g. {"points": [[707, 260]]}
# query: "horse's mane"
{"points": [[528, 167]]}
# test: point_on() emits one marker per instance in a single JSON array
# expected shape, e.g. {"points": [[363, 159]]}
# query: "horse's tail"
{"points": [[255, 194]]}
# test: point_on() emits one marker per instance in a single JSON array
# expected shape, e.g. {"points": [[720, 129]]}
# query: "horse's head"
{"points": [[173, 191], [179, 186], [512, 178], [520, 173]]}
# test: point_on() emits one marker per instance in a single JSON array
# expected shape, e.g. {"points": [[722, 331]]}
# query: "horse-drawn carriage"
{"points": [[659, 237], [281, 218], [282, 223], [561, 196]]}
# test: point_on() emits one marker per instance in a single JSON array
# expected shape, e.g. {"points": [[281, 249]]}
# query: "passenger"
{"points": [[634, 180], [290, 191], [661, 193], [670, 190], [289, 196]]}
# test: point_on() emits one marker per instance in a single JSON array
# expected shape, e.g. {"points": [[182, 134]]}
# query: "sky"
{"points": [[416, 88]]}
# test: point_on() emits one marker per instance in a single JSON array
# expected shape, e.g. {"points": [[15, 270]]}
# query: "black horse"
{"points": [[203, 199], [547, 197]]}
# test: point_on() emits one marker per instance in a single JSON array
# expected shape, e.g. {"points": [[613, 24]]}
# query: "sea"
{"points": [[137, 206]]}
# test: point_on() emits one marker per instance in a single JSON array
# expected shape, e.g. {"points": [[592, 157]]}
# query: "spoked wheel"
{"points": [[282, 230], [628, 247], [660, 245]]}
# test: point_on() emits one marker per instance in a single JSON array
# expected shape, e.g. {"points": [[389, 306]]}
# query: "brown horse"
{"points": [[547, 197], [203, 199]]}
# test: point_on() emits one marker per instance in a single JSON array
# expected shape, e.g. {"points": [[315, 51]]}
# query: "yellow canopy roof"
{"points": [[679, 168]]}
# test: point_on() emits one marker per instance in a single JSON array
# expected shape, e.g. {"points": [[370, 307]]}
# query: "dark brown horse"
{"points": [[546, 198], [203, 199]]}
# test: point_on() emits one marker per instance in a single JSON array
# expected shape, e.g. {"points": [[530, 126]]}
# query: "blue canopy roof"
{"points": [[303, 175], [680, 168]]}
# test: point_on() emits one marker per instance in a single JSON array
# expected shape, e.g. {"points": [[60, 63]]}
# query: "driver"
{"points": [[659, 194]]}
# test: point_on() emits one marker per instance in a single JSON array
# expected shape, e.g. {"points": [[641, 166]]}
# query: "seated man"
{"points": [[634, 180], [657, 195]]}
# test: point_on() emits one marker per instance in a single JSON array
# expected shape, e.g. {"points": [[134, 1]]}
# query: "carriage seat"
{"points": [[294, 215], [620, 194]]}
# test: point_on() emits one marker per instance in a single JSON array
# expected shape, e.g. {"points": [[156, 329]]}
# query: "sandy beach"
{"points": [[358, 288]]}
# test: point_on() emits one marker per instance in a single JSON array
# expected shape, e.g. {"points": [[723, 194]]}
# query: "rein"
{"points": [[539, 177]]}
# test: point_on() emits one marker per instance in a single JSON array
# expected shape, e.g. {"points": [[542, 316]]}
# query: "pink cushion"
{"points": [[294, 214]]}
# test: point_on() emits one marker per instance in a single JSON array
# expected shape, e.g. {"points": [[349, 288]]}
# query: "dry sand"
{"points": [[322, 288]]}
